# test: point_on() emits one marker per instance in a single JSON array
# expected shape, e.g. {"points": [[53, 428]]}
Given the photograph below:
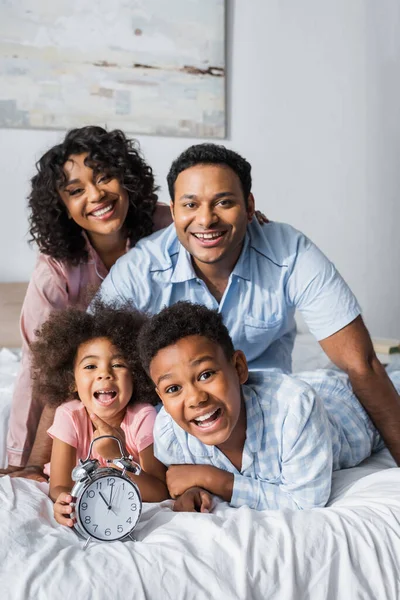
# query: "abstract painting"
{"points": [[146, 66]]}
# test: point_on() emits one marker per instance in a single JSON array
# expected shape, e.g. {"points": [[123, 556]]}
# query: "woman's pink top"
{"points": [[73, 426], [54, 285]]}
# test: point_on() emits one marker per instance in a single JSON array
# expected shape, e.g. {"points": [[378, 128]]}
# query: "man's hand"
{"points": [[63, 510], [194, 500], [107, 448], [29, 472]]}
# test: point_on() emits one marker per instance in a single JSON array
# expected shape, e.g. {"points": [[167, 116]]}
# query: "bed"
{"points": [[349, 550]]}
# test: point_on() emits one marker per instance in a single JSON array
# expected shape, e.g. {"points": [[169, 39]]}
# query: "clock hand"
{"points": [[104, 500]]}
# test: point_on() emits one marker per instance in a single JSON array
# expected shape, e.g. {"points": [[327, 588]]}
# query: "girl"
{"points": [[93, 358], [92, 198]]}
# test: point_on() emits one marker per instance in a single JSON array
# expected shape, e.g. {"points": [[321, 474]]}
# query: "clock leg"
{"points": [[87, 543]]}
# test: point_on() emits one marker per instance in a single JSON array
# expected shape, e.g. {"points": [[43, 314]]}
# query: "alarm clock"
{"points": [[107, 504]]}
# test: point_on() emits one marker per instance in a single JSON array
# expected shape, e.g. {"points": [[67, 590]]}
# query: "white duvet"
{"points": [[349, 550]]}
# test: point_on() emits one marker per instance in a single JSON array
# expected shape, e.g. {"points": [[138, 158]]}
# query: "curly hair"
{"points": [[178, 321], [211, 154], [58, 340], [109, 152]]}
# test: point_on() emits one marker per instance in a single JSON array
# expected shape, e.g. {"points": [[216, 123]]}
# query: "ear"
{"points": [[171, 207], [250, 208], [240, 364], [158, 393]]}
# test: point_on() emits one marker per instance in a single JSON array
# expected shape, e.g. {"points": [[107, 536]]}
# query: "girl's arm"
{"points": [[63, 460], [151, 481]]}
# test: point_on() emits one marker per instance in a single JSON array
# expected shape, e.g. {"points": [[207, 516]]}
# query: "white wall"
{"points": [[313, 103]]}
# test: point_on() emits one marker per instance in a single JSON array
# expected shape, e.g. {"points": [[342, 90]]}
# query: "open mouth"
{"points": [[104, 211], [105, 397], [208, 419], [209, 239]]}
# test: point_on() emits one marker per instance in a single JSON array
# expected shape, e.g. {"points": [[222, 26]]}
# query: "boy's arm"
{"points": [[306, 473]]}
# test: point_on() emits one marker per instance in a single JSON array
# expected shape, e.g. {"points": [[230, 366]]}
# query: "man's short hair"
{"points": [[179, 321], [211, 154]]}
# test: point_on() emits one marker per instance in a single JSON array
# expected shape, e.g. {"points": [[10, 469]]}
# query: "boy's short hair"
{"points": [[211, 154], [178, 321], [58, 339]]}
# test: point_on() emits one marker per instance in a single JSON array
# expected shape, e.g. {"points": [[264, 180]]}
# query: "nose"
{"points": [[95, 194], [206, 216], [104, 373], [195, 397]]}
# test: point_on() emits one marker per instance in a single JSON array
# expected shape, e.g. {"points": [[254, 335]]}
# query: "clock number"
{"points": [[120, 529], [133, 506], [129, 520], [87, 520], [107, 532], [111, 481], [131, 496], [90, 494], [98, 485], [84, 506], [95, 527]]}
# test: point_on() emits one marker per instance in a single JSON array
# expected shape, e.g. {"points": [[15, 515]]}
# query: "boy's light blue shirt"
{"points": [[296, 436], [279, 270]]}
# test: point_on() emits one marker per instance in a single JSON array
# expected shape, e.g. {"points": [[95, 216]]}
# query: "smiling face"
{"points": [[200, 389], [210, 214], [95, 201], [103, 380]]}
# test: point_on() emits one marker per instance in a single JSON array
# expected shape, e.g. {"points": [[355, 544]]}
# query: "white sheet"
{"points": [[350, 550]]}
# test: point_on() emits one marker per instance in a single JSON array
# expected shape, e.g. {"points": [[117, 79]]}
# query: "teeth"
{"points": [[102, 211], [206, 416], [208, 236]]}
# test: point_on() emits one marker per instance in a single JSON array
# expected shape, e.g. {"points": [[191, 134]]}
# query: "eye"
{"points": [[172, 389], [89, 367], [75, 192], [119, 366], [225, 203], [189, 205], [206, 375], [104, 178]]}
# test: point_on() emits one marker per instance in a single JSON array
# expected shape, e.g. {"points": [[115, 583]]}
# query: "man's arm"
{"points": [[351, 350]]}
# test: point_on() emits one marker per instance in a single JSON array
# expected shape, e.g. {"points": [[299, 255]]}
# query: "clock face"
{"points": [[109, 508]]}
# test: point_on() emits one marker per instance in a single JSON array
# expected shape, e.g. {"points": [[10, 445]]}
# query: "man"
{"points": [[216, 254]]}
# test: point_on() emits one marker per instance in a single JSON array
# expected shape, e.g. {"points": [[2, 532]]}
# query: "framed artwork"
{"points": [[146, 66]]}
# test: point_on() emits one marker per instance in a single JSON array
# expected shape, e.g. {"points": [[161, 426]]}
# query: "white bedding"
{"points": [[349, 550]]}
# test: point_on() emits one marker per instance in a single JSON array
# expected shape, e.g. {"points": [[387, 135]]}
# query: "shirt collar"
{"points": [[184, 270]]}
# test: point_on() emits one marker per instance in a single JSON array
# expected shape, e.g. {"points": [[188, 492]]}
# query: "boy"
{"points": [[266, 440]]}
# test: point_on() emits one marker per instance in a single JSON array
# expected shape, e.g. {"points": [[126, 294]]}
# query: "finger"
{"points": [[64, 519], [64, 498], [206, 502], [184, 504], [97, 421]]}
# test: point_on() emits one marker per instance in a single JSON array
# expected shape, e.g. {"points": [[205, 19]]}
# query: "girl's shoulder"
{"points": [[137, 412], [72, 407]]}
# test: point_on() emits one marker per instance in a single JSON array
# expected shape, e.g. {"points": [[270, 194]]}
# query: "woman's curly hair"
{"points": [[58, 340], [108, 151]]}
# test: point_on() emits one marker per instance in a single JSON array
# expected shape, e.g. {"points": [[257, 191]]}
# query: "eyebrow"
{"points": [[194, 363], [91, 356], [215, 197]]}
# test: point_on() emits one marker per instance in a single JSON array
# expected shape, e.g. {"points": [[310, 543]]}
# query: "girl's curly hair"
{"points": [[58, 340], [108, 151]]}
